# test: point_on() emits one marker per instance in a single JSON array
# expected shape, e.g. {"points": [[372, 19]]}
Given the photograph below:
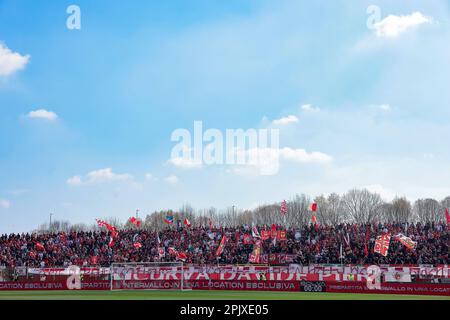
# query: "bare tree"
{"points": [[428, 210], [446, 203], [298, 214], [363, 206], [397, 211], [330, 209], [80, 227], [336, 211]]}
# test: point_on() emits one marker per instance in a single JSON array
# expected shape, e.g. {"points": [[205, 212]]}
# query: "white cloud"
{"points": [[309, 108], [185, 163], [286, 120], [385, 107], [300, 155], [99, 176], [266, 161], [74, 181], [5, 204], [11, 62], [381, 107], [42, 114], [392, 26], [172, 179]]}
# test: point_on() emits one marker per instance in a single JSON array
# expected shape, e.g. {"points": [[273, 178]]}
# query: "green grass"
{"points": [[201, 295]]}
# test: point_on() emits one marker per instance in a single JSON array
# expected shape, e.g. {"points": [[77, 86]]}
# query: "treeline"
{"points": [[355, 206]]}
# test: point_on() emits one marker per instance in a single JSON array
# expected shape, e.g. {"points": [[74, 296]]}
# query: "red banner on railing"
{"points": [[390, 288]]}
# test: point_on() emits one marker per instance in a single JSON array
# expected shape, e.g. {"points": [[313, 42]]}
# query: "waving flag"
{"points": [[135, 221], [39, 246], [181, 256], [313, 207], [110, 228], [382, 244], [187, 223], [137, 245], [366, 249], [169, 218], [406, 241], [265, 234], [255, 232], [282, 235], [283, 207], [221, 246], [172, 251], [447, 216], [255, 256], [111, 242], [274, 232]]}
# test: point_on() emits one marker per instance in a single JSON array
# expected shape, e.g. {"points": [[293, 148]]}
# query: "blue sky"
{"points": [[375, 101]]}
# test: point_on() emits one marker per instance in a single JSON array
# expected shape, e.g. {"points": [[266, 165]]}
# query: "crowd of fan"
{"points": [[309, 244]]}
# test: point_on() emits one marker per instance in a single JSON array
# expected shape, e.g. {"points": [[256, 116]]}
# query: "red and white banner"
{"points": [[390, 288], [442, 271], [382, 244], [250, 285], [406, 241]]}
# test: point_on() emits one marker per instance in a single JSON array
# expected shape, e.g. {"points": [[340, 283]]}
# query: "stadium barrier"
{"points": [[245, 285], [390, 288]]}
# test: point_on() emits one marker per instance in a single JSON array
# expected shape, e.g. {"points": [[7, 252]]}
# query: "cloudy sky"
{"points": [[358, 89]]}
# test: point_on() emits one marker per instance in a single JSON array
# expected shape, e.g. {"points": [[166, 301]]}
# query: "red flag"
{"points": [[40, 246], [172, 251], [137, 245], [187, 223], [110, 228], [406, 241], [282, 235], [313, 207], [255, 256], [366, 249], [133, 220], [382, 244], [138, 223], [111, 242], [221, 246], [274, 231], [265, 234], [447, 216], [181, 256], [283, 207], [314, 219]]}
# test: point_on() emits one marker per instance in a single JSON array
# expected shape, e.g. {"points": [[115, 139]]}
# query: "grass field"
{"points": [[200, 295]]}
